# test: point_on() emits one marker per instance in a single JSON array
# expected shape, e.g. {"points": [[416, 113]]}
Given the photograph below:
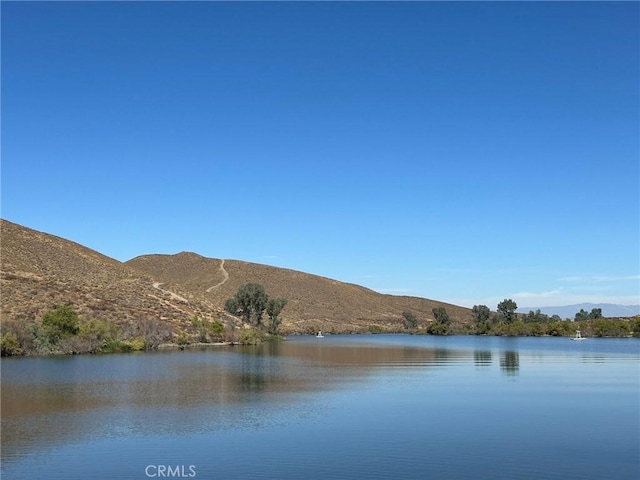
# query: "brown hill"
{"points": [[40, 271], [314, 302]]}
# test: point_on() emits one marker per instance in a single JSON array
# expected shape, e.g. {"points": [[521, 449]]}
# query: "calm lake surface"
{"points": [[342, 407]]}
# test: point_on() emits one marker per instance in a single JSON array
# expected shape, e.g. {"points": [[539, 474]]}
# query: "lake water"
{"points": [[342, 407]]}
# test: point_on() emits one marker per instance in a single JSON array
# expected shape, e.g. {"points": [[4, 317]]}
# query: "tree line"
{"points": [[506, 322]]}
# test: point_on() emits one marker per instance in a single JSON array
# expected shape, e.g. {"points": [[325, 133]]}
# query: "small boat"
{"points": [[319, 335], [578, 336]]}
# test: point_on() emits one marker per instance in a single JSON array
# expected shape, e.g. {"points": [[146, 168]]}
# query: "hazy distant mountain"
{"points": [[569, 311]]}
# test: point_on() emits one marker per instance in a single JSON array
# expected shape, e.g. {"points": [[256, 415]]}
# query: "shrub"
{"points": [[60, 323], [182, 339], [10, 345], [375, 329], [634, 326], [436, 328], [251, 336], [95, 334], [217, 330], [124, 346]]}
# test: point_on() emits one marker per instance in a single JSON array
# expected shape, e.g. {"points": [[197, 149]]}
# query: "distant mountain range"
{"points": [[569, 311]]}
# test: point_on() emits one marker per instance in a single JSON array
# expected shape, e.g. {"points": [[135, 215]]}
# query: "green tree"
{"points": [[61, 323], [441, 315], [436, 328], [595, 314], [481, 313], [508, 310], [582, 315], [409, 320], [536, 317], [232, 306], [274, 307], [250, 302]]}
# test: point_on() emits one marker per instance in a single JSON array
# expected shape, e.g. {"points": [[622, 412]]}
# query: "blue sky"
{"points": [[465, 152]]}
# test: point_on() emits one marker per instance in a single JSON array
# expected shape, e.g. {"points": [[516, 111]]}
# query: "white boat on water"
{"points": [[578, 336], [319, 335]]}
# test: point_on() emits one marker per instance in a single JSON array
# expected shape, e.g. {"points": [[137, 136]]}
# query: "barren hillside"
{"points": [[41, 271], [315, 303]]}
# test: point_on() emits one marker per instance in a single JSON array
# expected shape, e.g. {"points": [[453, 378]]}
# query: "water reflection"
{"points": [[49, 401], [482, 358], [510, 362]]}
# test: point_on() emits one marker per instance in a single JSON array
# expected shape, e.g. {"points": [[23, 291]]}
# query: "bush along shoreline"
{"points": [[62, 331]]}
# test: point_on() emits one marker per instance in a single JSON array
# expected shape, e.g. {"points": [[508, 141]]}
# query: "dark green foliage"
{"points": [[274, 307], [507, 308], [523, 328], [605, 327], [409, 320], [250, 301], [232, 306], [441, 324], [582, 315], [595, 314], [436, 328], [537, 316], [441, 315], [634, 326], [61, 323], [481, 313]]}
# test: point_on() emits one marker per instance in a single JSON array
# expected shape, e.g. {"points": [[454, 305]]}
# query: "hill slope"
{"points": [[41, 271], [314, 302]]}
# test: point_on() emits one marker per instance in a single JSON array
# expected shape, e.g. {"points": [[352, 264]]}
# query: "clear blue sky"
{"points": [[465, 152]]}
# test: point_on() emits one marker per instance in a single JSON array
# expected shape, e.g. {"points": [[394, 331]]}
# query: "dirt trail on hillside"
{"points": [[225, 275], [174, 296]]}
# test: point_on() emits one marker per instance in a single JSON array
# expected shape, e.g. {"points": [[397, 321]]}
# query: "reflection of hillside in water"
{"points": [[193, 391]]}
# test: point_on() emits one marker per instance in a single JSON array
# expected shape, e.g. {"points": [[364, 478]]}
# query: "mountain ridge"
{"points": [[40, 271]]}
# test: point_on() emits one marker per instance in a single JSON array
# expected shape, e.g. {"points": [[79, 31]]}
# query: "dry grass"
{"points": [[314, 302], [41, 271]]}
